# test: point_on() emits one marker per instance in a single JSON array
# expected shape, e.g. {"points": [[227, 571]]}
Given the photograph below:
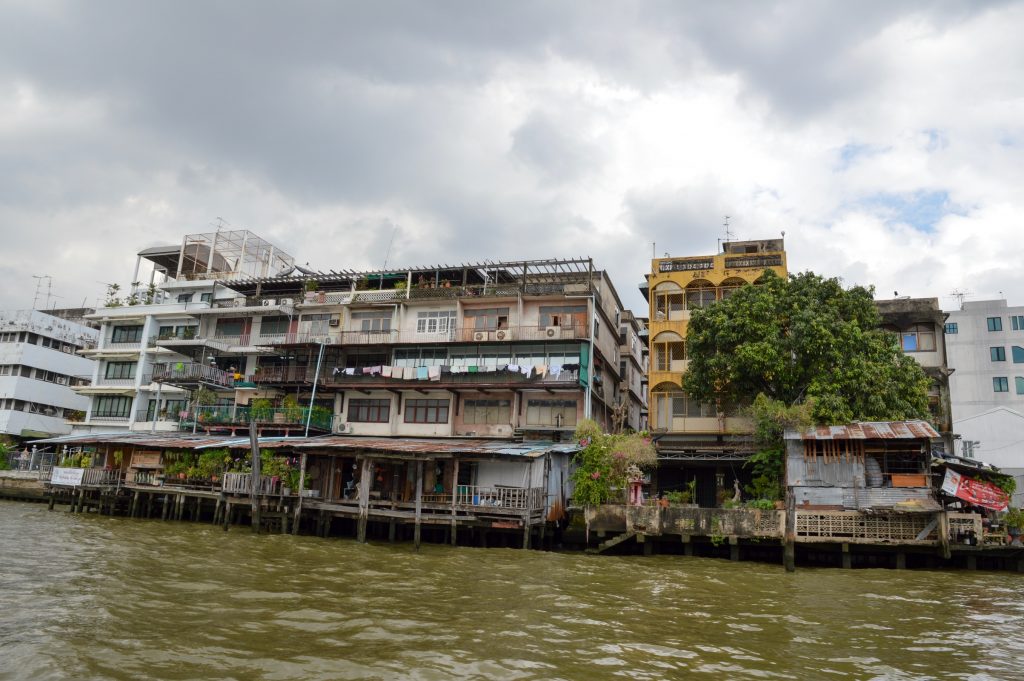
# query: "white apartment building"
{"points": [[985, 345], [186, 282], [38, 369]]}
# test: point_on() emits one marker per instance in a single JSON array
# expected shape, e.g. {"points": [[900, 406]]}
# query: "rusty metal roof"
{"points": [[870, 430], [446, 446], [157, 440]]}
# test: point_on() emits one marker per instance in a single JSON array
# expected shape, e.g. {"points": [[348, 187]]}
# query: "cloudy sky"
{"points": [[884, 138]]}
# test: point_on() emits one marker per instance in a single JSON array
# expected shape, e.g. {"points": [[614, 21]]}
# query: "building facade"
{"points": [[38, 371], [920, 325], [701, 442], [513, 349], [985, 342], [633, 371]]}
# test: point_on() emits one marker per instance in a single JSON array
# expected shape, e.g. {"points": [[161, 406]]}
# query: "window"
{"points": [[952, 328], [622, 335], [371, 320], [230, 327], [185, 297], [1000, 384], [551, 412], [487, 318], [562, 315], [666, 354], [622, 369], [112, 405], [205, 297], [1019, 384], [487, 411], [120, 370], [426, 411], [1018, 354], [369, 411], [126, 334], [699, 297], [435, 322], [270, 326], [420, 357], [995, 323], [1017, 321], [998, 354], [919, 338], [668, 303]]}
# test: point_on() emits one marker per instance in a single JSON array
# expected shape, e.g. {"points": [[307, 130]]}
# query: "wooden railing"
{"points": [[525, 498], [191, 372], [100, 477], [241, 483], [872, 528]]}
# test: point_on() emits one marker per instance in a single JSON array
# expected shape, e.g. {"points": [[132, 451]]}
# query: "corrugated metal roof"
{"points": [[870, 430], [472, 446], [157, 440]]}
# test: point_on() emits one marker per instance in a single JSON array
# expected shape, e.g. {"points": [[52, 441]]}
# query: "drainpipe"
{"points": [[316, 379]]}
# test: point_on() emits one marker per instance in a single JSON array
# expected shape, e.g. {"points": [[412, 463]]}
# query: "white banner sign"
{"points": [[67, 476], [951, 483]]}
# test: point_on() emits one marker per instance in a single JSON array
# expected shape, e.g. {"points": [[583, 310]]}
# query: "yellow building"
{"points": [[675, 286]]}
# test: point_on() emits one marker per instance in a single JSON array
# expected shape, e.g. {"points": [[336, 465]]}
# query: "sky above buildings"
{"points": [[883, 138]]}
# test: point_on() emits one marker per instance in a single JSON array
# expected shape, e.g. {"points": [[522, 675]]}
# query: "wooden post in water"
{"points": [[419, 504], [455, 491], [254, 478], [302, 486], [789, 547], [944, 535], [364, 499]]}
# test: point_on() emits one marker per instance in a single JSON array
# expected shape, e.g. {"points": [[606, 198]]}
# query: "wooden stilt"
{"points": [[302, 486], [364, 499], [419, 505], [789, 547], [455, 493]]}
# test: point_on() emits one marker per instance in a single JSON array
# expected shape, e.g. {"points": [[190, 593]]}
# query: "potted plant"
{"points": [[291, 408], [1014, 520], [261, 409]]}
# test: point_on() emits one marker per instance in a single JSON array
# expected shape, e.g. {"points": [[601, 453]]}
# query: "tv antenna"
{"points": [[387, 254], [728, 230], [39, 286], [960, 295]]}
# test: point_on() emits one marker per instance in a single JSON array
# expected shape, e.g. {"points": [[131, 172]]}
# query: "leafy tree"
{"points": [[805, 339], [604, 460]]}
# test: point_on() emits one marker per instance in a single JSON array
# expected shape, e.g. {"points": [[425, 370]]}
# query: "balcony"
{"points": [[396, 337], [271, 376], [191, 375], [232, 417]]}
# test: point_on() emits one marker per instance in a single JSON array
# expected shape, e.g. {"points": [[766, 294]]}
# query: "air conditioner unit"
{"points": [[503, 334], [66, 348], [287, 301], [269, 302], [335, 320], [479, 335], [553, 332], [63, 380], [341, 428], [238, 302]]}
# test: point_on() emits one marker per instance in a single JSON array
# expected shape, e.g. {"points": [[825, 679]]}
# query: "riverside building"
{"points": [[39, 371], [701, 443]]}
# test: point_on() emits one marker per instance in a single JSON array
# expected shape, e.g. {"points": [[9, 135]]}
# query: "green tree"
{"points": [[805, 339]]}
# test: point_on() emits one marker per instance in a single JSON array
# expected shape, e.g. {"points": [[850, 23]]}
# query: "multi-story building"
{"points": [[154, 325], [985, 342], [38, 368], [633, 372], [702, 442], [492, 349], [920, 325]]}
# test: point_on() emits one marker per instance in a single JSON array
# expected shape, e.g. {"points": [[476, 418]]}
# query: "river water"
{"points": [[87, 597]]}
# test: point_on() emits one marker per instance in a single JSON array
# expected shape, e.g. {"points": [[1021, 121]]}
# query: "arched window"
{"points": [[730, 286], [699, 294], [668, 301], [669, 351]]}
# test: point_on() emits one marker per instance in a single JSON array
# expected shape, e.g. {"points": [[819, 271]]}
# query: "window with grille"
{"points": [[487, 411], [369, 411]]}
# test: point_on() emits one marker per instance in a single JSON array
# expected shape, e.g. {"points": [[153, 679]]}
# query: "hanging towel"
{"points": [[350, 371], [555, 370], [385, 371], [541, 369], [421, 373], [526, 369], [512, 367], [409, 373], [473, 369], [434, 373], [336, 371]]}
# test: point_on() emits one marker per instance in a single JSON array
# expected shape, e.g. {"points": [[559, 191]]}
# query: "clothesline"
{"points": [[433, 373]]}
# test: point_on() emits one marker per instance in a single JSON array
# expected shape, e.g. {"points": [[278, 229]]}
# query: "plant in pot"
{"points": [[1014, 520], [291, 408], [261, 409]]}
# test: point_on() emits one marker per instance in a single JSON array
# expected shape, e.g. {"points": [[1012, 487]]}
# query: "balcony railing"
{"points": [[241, 483], [485, 377], [101, 477], [191, 373], [114, 382], [527, 499], [109, 418], [394, 336], [233, 415]]}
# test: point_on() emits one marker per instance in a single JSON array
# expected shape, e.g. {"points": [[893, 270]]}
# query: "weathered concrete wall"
{"points": [[694, 522], [21, 485]]}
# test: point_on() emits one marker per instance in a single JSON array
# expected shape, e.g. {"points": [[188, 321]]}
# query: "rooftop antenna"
{"points": [[960, 295], [728, 230], [39, 284], [391, 243], [221, 222]]}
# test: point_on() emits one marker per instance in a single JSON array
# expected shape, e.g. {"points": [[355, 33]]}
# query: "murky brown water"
{"points": [[86, 597]]}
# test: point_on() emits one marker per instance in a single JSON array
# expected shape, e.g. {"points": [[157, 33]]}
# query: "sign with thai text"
{"points": [[67, 476], [976, 492], [753, 262], [685, 265]]}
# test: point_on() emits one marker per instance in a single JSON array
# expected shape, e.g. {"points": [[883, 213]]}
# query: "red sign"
{"points": [[976, 492]]}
